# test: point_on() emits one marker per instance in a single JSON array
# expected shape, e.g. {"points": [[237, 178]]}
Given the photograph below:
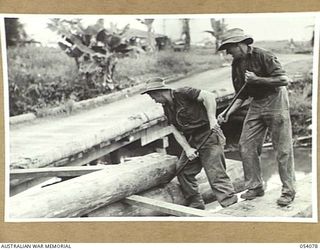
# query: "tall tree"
{"points": [[15, 32], [312, 36], [218, 29], [151, 39], [312, 39], [186, 33]]}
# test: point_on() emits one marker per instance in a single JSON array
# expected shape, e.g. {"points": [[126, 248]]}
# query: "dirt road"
{"points": [[221, 78]]}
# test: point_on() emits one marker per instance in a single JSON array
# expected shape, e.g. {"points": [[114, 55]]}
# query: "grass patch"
{"points": [[300, 95], [39, 77], [303, 47], [43, 77], [130, 71]]}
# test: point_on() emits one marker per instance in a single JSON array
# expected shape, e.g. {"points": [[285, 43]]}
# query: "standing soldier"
{"points": [[265, 81], [192, 115]]}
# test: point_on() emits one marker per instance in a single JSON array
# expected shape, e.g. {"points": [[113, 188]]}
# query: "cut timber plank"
{"points": [[29, 183], [154, 133], [166, 207], [55, 171]]}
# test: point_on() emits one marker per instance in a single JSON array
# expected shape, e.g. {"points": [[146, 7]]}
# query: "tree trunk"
{"points": [[186, 33], [84, 194], [218, 27], [171, 193]]}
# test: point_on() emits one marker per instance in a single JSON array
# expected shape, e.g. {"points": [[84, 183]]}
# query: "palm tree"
{"points": [[186, 33], [15, 32], [151, 39], [218, 29]]}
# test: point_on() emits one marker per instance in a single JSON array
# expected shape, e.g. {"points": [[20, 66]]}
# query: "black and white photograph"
{"points": [[189, 117]]}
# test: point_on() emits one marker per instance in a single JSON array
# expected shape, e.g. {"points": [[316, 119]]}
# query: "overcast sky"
{"points": [[261, 27]]}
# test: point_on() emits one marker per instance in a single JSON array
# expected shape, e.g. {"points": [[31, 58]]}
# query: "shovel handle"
{"points": [[234, 99]]}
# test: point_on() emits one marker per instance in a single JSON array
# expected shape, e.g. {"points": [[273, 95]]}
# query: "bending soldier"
{"points": [[191, 113]]}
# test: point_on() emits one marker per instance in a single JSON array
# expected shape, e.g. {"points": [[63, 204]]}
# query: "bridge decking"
{"points": [[60, 141], [266, 208]]}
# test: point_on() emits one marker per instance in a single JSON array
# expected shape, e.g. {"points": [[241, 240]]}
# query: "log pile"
{"points": [[171, 193], [103, 193], [83, 194]]}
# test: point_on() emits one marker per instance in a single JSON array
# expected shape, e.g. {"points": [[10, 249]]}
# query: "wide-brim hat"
{"points": [[155, 84], [233, 36]]}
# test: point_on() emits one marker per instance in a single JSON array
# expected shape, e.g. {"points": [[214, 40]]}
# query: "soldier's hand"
{"points": [[218, 131], [250, 76], [215, 126], [192, 153], [223, 117]]}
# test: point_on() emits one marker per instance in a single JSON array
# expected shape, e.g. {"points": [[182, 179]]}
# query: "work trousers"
{"points": [[211, 158], [271, 113]]}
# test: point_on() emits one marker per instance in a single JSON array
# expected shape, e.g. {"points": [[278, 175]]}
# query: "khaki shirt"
{"points": [[264, 64]]}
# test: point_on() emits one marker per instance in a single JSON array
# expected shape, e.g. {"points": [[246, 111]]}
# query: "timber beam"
{"points": [[72, 171], [109, 146], [166, 207]]}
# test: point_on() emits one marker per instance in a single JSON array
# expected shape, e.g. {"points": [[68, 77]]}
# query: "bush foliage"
{"points": [[164, 64], [38, 78], [43, 77], [300, 95]]}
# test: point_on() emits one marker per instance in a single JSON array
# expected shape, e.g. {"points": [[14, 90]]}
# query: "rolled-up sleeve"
{"points": [[273, 66], [189, 93]]}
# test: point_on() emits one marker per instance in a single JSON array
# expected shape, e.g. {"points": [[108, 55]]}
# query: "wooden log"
{"points": [[86, 193], [40, 156], [171, 193]]}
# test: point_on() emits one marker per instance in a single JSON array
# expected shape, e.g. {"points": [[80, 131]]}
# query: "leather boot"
{"points": [[196, 201]]}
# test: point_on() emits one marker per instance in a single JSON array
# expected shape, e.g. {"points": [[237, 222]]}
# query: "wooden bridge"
{"points": [[94, 128], [64, 145]]}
